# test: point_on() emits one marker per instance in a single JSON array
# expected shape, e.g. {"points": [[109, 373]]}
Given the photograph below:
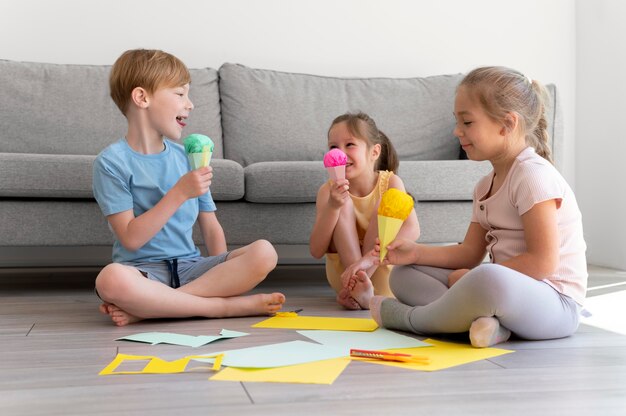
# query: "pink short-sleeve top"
{"points": [[531, 180]]}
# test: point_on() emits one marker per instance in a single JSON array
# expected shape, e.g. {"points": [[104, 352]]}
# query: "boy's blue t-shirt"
{"points": [[124, 179]]}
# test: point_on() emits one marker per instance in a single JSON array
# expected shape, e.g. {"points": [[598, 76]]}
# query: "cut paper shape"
{"points": [[157, 365], [319, 322], [180, 339], [199, 149], [607, 312], [279, 355], [335, 161], [395, 207], [318, 372], [199, 160], [442, 355], [286, 314], [380, 339]]}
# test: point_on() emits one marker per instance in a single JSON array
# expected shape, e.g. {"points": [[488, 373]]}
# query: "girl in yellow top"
{"points": [[346, 227]]}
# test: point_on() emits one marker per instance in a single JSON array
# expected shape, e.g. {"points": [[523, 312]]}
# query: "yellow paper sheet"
{"points": [[318, 322], [157, 365], [442, 355], [318, 372]]}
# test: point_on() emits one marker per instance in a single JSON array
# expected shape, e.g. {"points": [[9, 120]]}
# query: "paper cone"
{"points": [[199, 160], [337, 172], [388, 228]]}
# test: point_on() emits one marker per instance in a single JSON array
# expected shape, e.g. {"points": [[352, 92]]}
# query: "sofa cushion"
{"points": [[445, 180], [278, 116], [66, 109], [284, 182], [70, 176], [297, 182]]}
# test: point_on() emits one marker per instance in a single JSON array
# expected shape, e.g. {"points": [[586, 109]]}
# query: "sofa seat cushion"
{"points": [[279, 116], [70, 176], [297, 182], [66, 109]]}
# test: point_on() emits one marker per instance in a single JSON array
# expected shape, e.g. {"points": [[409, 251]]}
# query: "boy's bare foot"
{"points": [[346, 300], [271, 303], [120, 317], [375, 304], [104, 308], [361, 289]]}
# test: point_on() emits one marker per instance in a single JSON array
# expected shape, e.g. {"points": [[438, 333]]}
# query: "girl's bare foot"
{"points": [[346, 300], [375, 304], [487, 331], [361, 289], [120, 317]]}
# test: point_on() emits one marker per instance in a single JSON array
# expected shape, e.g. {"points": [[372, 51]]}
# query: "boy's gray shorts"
{"points": [[188, 269]]}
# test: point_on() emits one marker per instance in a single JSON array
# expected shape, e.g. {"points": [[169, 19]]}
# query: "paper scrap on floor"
{"points": [[319, 322], [279, 355], [318, 372], [442, 355], [379, 339], [156, 365], [180, 339]]}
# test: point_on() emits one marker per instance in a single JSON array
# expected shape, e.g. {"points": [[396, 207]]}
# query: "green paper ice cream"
{"points": [[199, 149]]}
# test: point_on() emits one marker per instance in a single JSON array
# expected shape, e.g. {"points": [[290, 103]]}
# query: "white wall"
{"points": [[328, 37], [600, 128]]}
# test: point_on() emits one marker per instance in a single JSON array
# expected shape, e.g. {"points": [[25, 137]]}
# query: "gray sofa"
{"points": [[270, 133]]}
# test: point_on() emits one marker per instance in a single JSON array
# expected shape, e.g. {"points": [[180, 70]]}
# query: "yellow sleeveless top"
{"points": [[364, 208]]}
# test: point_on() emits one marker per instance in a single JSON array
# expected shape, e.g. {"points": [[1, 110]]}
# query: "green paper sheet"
{"points": [[379, 339], [180, 339], [279, 355]]}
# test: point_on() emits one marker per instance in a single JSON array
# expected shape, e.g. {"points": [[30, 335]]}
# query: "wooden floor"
{"points": [[54, 343]]}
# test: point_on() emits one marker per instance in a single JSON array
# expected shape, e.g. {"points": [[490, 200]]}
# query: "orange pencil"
{"points": [[390, 356]]}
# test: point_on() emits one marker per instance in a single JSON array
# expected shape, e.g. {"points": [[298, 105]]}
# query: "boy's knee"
{"points": [[265, 255], [110, 281]]}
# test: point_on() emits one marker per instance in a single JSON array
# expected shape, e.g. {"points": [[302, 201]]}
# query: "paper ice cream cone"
{"points": [[199, 160], [337, 172], [388, 228]]}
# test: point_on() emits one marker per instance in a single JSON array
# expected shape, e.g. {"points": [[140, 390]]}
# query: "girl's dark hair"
{"points": [[501, 90], [363, 126]]}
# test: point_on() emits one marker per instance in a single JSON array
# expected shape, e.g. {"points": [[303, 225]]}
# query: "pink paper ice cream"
{"points": [[335, 162], [335, 157]]}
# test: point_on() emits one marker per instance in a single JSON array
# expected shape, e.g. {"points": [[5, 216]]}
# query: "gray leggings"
{"points": [[529, 308]]}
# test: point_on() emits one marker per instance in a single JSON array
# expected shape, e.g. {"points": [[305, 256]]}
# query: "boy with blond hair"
{"points": [[151, 199]]}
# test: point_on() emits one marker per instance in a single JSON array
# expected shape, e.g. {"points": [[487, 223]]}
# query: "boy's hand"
{"points": [[196, 182], [364, 263], [338, 193], [399, 252]]}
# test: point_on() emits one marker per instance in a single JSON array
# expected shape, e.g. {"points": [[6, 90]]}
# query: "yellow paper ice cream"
{"points": [[395, 207], [199, 149]]}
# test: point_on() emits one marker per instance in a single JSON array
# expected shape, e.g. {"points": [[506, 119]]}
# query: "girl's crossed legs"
{"points": [[529, 308]]}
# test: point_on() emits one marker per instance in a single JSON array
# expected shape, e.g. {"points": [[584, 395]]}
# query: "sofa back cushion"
{"points": [[278, 116], [66, 109]]}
